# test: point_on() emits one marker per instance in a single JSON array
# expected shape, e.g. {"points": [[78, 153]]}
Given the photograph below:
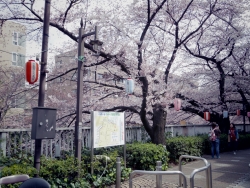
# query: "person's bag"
{"points": [[232, 135], [212, 136]]}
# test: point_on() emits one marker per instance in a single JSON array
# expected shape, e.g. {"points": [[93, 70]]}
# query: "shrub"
{"points": [[144, 156], [61, 172], [105, 170], [243, 142], [181, 145], [20, 168]]}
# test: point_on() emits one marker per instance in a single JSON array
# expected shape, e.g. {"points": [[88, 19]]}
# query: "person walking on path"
{"points": [[233, 137], [215, 140]]}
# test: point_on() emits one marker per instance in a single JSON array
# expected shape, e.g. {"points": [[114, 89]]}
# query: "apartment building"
{"points": [[12, 44], [12, 63]]}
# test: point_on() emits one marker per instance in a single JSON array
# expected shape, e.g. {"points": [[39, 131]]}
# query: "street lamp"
{"points": [[96, 47]]}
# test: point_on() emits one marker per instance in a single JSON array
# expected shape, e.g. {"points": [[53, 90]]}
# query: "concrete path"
{"points": [[230, 171]]}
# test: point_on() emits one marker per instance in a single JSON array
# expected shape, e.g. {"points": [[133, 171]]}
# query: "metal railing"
{"points": [[206, 168], [182, 178], [158, 173], [14, 141], [18, 141]]}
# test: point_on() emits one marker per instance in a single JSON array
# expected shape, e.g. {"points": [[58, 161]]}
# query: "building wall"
{"points": [[12, 41], [12, 57]]}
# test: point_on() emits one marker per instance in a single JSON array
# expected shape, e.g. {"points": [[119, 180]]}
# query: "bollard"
{"points": [[3, 143], [57, 151], [118, 172], [158, 176]]}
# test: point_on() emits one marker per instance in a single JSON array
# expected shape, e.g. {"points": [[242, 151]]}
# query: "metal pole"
{"points": [[78, 122], [92, 142], [124, 147], [210, 176], [118, 172], [43, 71], [158, 176]]}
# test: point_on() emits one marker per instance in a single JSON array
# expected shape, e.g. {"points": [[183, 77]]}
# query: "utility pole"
{"points": [[78, 122], [43, 71], [96, 47]]}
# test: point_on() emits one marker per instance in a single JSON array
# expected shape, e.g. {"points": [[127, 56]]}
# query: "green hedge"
{"points": [[143, 156], [199, 145], [182, 145]]}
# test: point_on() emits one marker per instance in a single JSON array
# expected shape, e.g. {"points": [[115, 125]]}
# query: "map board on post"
{"points": [[108, 129]]}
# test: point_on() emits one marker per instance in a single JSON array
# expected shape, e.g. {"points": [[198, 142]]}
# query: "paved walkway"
{"points": [[230, 171]]}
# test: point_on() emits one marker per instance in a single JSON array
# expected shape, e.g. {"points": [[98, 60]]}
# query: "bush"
{"points": [[61, 172], [20, 168], [144, 156], [182, 145], [243, 142]]}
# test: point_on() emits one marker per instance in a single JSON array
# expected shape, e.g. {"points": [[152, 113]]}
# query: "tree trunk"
{"points": [[224, 125], [159, 122]]}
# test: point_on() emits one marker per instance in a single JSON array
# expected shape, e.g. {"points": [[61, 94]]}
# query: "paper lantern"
{"points": [[207, 116], [248, 114], [177, 104], [129, 86], [238, 112], [225, 114], [32, 68]]}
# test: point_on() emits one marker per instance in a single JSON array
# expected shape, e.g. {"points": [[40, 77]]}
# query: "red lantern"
{"points": [[32, 68], [248, 114], [177, 104], [238, 112], [207, 116]]}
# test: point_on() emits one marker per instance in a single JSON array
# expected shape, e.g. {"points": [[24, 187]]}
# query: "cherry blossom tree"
{"points": [[143, 40], [11, 91], [224, 59]]}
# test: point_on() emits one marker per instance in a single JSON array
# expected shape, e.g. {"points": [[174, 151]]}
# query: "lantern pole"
{"points": [[43, 71]]}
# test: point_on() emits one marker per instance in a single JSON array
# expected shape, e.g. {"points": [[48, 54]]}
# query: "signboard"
{"points": [[108, 129]]}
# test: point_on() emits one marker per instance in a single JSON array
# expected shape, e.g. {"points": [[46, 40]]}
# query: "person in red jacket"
{"points": [[233, 137]]}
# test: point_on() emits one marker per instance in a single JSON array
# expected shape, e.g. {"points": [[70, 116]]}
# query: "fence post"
{"points": [[158, 176], [3, 143], [118, 172]]}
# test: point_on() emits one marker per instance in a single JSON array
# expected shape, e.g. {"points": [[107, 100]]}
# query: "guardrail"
{"points": [[206, 168], [158, 174], [182, 177]]}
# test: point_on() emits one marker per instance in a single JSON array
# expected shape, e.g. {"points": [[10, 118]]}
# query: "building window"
{"points": [[15, 38], [99, 76], [59, 79], [17, 102], [74, 92], [74, 77], [18, 59], [120, 81], [19, 39], [59, 64]]}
